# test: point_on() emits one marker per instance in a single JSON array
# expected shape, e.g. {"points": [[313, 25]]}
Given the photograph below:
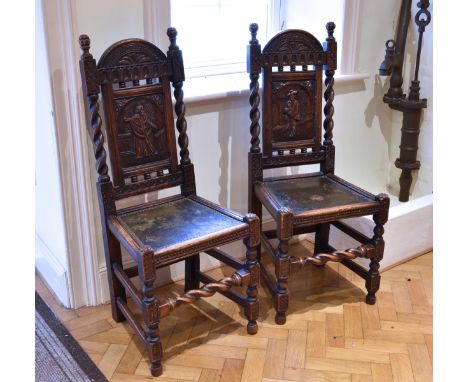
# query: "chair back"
{"points": [[291, 64], [134, 77]]}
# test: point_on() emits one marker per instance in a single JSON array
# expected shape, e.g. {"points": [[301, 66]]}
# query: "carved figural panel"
{"points": [[141, 136], [293, 113]]}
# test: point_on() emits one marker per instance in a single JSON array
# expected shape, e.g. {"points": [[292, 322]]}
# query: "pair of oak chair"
{"points": [[134, 78]]}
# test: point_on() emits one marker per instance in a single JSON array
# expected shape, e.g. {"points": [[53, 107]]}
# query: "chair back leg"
{"points": [[192, 268], [322, 235]]}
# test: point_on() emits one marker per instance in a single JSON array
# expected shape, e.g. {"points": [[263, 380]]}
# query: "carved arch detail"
{"points": [[293, 41], [130, 52]]}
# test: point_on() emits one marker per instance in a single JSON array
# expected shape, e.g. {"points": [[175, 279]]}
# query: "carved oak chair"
{"points": [[134, 78], [291, 64]]}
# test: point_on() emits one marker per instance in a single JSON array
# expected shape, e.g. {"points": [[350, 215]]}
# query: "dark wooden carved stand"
{"points": [[412, 105]]}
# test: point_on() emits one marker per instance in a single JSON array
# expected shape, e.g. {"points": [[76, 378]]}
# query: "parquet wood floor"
{"points": [[330, 334]]}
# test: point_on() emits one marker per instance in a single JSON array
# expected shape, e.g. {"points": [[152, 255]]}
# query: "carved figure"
{"points": [[291, 110], [142, 127]]}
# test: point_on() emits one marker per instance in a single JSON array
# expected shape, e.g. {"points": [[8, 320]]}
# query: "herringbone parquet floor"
{"points": [[330, 335]]}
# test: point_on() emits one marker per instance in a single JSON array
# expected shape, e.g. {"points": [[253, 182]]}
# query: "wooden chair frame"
{"points": [[299, 48], [136, 60]]}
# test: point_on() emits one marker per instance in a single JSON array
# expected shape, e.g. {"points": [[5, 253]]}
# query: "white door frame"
{"points": [[71, 130]]}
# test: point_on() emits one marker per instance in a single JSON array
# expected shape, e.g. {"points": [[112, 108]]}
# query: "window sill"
{"points": [[208, 88]]}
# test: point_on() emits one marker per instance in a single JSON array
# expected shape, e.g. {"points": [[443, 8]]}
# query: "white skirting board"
{"points": [[52, 272], [408, 232]]}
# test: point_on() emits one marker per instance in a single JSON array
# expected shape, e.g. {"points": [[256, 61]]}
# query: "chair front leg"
{"points": [[282, 264], [282, 268], [251, 307], [150, 307], [373, 276]]}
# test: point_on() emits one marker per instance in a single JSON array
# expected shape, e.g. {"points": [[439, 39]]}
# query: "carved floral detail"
{"points": [[293, 42], [136, 53], [292, 46]]}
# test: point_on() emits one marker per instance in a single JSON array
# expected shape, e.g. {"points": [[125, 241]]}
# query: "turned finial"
{"points": [[85, 43], [253, 32], [330, 28], [172, 34]]}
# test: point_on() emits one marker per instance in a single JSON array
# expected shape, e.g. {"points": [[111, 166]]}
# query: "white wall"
{"points": [[51, 245], [218, 129], [306, 15], [363, 123], [107, 21]]}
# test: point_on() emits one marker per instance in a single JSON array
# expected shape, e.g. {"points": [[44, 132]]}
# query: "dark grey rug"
{"points": [[59, 357]]}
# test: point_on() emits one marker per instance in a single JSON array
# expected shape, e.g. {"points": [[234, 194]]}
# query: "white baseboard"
{"points": [[52, 272]]}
